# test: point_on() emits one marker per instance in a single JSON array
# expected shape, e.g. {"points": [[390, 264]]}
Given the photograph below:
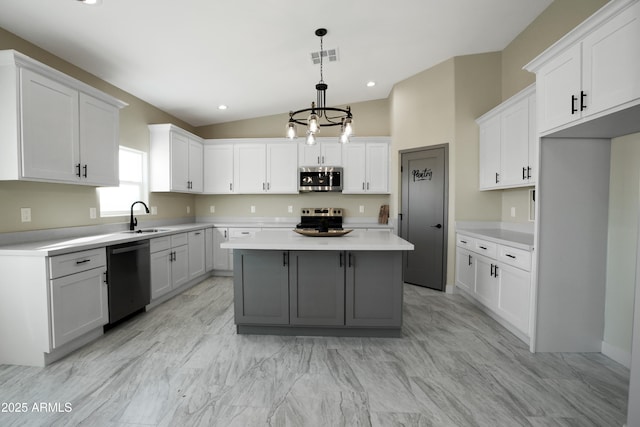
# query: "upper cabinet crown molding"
{"points": [[55, 128], [592, 73]]}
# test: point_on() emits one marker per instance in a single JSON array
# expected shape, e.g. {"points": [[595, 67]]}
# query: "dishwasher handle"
{"points": [[129, 247]]}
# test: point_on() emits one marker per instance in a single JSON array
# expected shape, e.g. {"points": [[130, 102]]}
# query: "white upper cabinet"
{"points": [[282, 168], [592, 71], [99, 136], [366, 166], [218, 168], [176, 160], [508, 143], [55, 128], [326, 152], [265, 167]]}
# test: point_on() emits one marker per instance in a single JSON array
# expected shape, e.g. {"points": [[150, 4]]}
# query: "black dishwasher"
{"points": [[128, 279]]}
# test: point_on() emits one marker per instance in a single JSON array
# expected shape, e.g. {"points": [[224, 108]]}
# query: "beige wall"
{"points": [[64, 205], [371, 118]]}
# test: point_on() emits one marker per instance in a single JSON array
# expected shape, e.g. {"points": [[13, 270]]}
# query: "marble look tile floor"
{"points": [[182, 364]]}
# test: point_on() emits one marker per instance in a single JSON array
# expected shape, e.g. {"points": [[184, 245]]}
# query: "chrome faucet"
{"points": [[134, 221]]}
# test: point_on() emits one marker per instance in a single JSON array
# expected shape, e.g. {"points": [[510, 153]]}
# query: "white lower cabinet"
{"points": [[498, 277], [221, 257], [197, 265], [169, 263], [79, 299], [465, 269]]}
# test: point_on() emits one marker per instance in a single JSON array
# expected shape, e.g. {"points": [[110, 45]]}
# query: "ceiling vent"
{"points": [[330, 55]]}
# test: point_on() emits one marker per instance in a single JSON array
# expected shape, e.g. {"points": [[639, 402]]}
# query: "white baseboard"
{"points": [[617, 354]]}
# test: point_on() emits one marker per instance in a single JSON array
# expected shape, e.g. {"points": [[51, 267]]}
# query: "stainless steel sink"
{"points": [[146, 230]]}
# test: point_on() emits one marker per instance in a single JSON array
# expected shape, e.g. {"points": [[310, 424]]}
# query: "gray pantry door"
{"points": [[424, 219]]}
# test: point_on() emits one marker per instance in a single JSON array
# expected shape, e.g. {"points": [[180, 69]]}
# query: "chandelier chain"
{"points": [[321, 55]]}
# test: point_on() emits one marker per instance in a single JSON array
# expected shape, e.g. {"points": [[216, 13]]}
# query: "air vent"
{"points": [[330, 55]]}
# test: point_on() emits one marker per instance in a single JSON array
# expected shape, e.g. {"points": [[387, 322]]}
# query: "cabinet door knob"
{"points": [[437, 226], [583, 105], [84, 171], [573, 105], [78, 170]]}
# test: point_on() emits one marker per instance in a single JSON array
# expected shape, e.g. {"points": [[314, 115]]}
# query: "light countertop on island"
{"points": [[357, 240]]}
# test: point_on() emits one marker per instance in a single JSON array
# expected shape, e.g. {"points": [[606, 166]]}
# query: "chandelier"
{"points": [[319, 115]]}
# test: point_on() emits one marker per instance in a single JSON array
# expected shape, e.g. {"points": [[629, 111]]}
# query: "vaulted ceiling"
{"points": [[188, 57]]}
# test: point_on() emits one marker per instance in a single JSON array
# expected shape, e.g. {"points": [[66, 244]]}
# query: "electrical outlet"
{"points": [[253, 209], [92, 213], [25, 214], [361, 208], [154, 210], [513, 211], [290, 209], [212, 209], [188, 209]]}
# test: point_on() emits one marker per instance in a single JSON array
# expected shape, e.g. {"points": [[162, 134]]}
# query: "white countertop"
{"points": [[74, 244], [357, 240], [501, 236]]}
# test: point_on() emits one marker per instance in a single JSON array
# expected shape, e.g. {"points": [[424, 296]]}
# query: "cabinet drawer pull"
{"points": [[463, 241], [78, 170], [483, 247], [491, 274], [351, 263], [528, 172], [524, 173], [230, 186], [84, 173], [83, 261], [469, 259], [197, 233], [497, 177], [511, 256], [340, 259], [284, 259], [573, 105], [583, 105], [323, 159], [495, 271]]}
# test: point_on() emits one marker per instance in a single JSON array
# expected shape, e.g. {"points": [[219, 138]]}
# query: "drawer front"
{"points": [[485, 248], [465, 241], [63, 265], [160, 244], [239, 233], [179, 239], [516, 257]]}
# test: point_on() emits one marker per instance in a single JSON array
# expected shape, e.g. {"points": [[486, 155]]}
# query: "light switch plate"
{"points": [[290, 209], [361, 208], [92, 213], [212, 209], [253, 209], [188, 209], [154, 210]]}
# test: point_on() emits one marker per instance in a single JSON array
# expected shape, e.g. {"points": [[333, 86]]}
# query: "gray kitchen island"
{"points": [[289, 284]]}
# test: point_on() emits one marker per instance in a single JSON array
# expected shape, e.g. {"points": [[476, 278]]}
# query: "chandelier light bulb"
{"points": [[291, 130], [347, 127], [314, 126], [344, 138], [311, 138]]}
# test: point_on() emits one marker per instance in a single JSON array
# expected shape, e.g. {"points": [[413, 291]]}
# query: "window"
{"points": [[116, 201]]}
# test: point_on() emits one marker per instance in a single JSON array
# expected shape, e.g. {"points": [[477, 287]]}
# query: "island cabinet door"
{"points": [[316, 279], [261, 287], [373, 294]]}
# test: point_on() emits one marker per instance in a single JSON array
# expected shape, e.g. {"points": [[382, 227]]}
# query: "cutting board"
{"points": [[383, 216]]}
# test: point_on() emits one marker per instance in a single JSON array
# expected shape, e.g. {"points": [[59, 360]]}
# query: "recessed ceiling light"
{"points": [[90, 2], [222, 107], [371, 83]]}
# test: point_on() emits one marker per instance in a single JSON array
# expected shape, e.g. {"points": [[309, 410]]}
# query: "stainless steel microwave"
{"points": [[320, 178]]}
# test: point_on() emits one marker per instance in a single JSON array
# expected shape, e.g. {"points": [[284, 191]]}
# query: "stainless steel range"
{"points": [[321, 219]]}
